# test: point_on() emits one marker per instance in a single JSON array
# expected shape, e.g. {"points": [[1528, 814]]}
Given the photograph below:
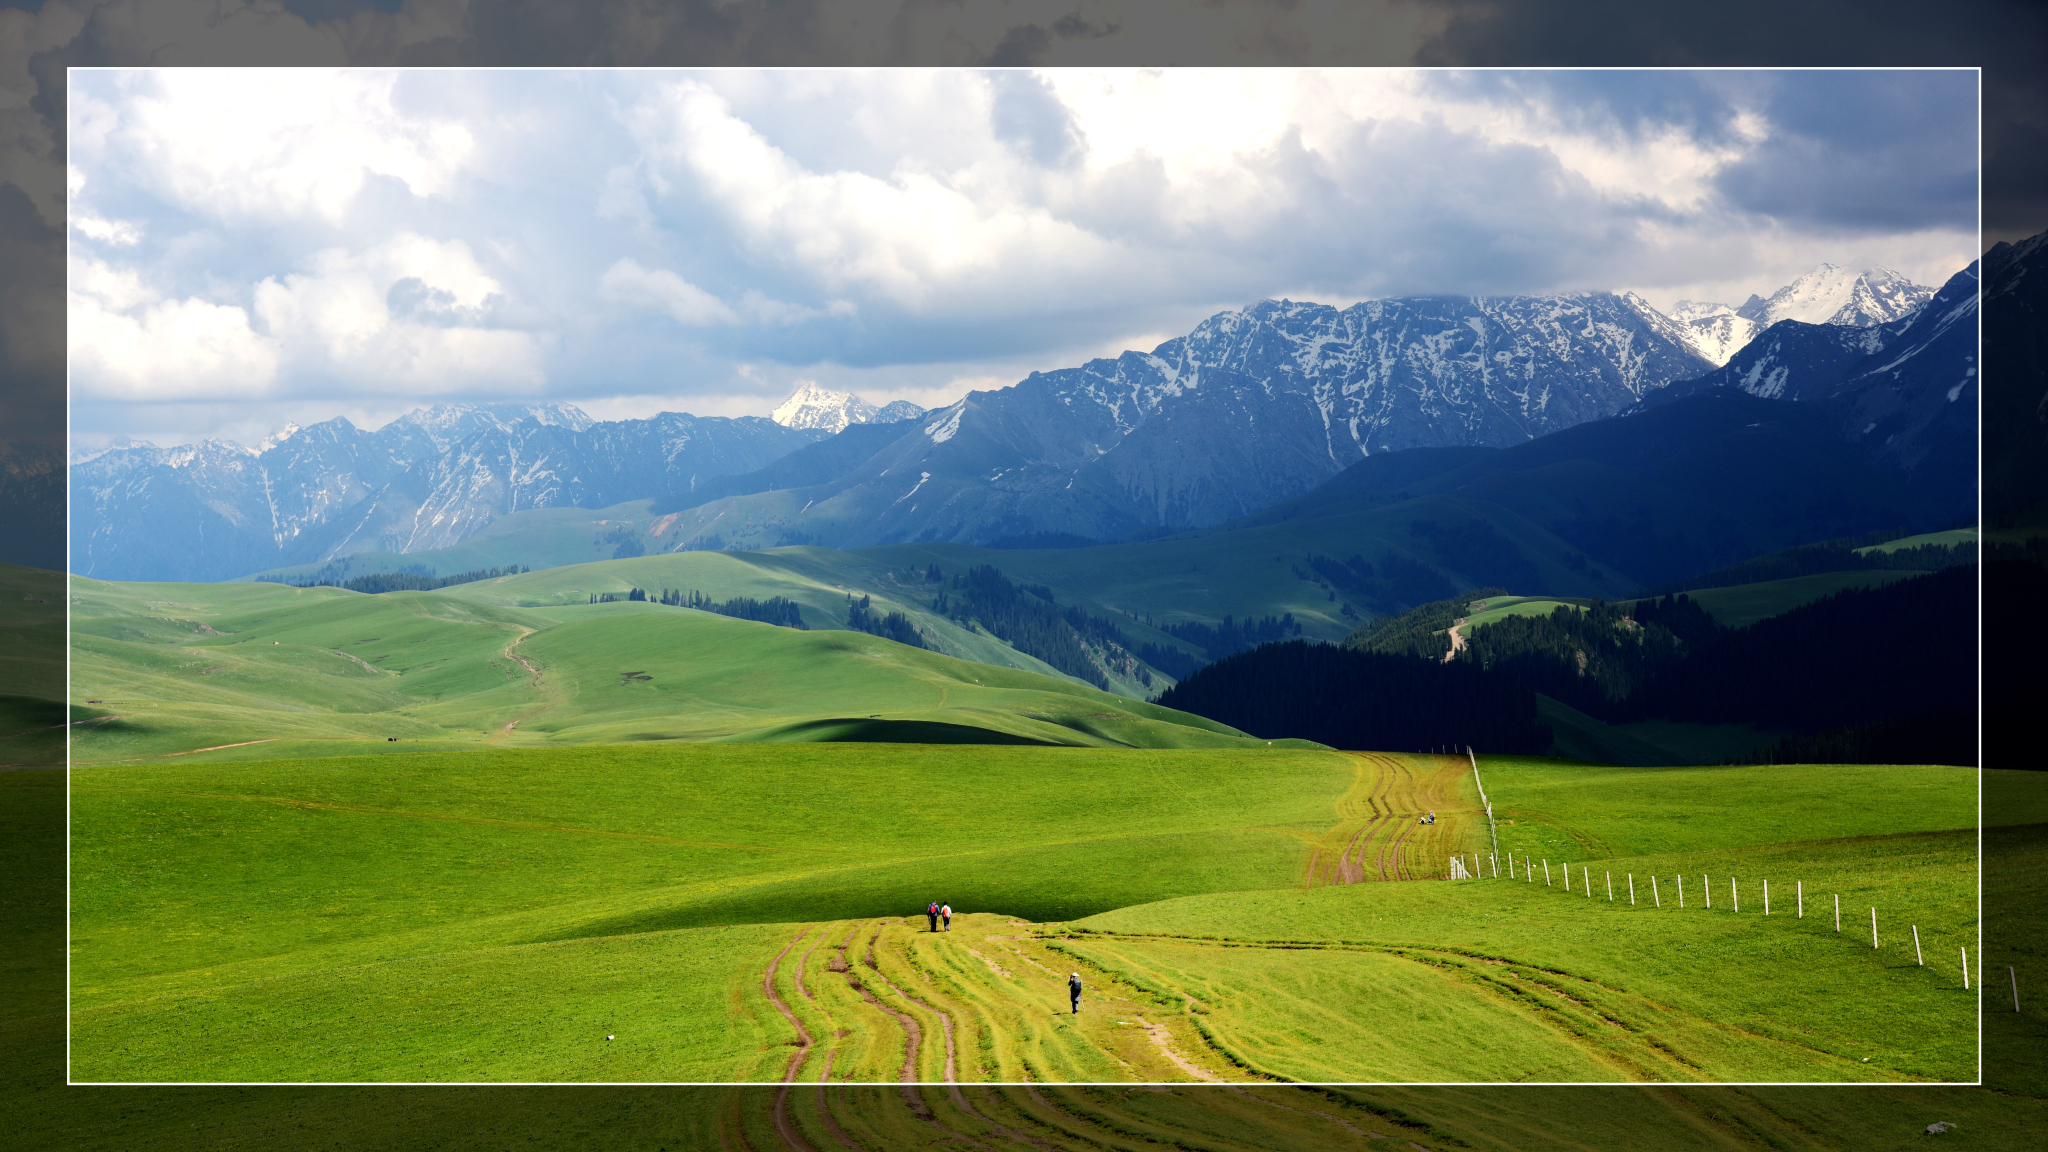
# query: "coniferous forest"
{"points": [[1348, 698], [1870, 675]]}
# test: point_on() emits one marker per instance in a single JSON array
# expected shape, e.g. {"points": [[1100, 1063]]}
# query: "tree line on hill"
{"points": [[777, 610], [411, 579], [862, 617], [1884, 674]]}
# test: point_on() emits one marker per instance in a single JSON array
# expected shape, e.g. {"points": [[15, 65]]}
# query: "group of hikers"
{"points": [[1429, 819], [937, 914]]}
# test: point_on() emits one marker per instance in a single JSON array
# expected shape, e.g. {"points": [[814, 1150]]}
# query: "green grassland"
{"points": [[262, 670], [1501, 607], [1643, 989], [1948, 539], [489, 915], [499, 902], [1745, 604]]}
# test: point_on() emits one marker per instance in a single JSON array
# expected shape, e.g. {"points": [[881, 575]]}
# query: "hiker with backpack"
{"points": [[946, 914], [1074, 990], [931, 912]]}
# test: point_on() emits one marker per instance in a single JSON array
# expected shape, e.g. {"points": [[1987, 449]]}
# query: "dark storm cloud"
{"points": [[1028, 115], [2003, 37], [1851, 150], [1864, 150]]}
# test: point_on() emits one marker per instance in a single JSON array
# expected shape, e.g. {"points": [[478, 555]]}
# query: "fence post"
{"points": [[1917, 958], [2015, 978], [1838, 911], [1631, 889], [1873, 926], [1586, 874], [1734, 894], [1653, 890], [1802, 899], [1681, 889], [1546, 873], [1966, 969], [1707, 887], [1610, 887], [1767, 897]]}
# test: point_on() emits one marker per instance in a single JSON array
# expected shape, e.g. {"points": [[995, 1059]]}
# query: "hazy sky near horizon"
{"points": [[249, 247]]}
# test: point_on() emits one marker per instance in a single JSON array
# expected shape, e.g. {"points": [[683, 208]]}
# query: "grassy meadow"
{"points": [[263, 670], [500, 833], [240, 900], [750, 911]]}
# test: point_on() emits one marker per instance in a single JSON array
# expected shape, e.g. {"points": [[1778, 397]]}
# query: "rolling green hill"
{"points": [[247, 670], [1745, 604]]}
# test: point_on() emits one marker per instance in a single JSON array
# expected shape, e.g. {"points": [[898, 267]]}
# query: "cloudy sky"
{"points": [[249, 247]]}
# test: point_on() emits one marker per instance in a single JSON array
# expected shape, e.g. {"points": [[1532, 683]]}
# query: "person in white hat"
{"points": [[1074, 989]]}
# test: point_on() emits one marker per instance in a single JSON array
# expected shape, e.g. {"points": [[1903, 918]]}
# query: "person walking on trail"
{"points": [[931, 912], [946, 914], [1074, 990]]}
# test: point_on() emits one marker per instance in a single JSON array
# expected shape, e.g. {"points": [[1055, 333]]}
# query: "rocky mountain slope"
{"points": [[1252, 407], [1906, 390]]}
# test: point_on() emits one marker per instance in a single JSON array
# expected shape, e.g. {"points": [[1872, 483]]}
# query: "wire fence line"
{"points": [[1529, 863], [1492, 832]]}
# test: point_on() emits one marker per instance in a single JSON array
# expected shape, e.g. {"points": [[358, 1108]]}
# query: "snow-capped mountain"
{"points": [[1826, 295], [1252, 407], [216, 510], [812, 407], [1832, 295], [1905, 389]]}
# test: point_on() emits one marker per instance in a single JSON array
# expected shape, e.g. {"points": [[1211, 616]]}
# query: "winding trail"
{"points": [[537, 684], [913, 1034], [784, 1126], [1163, 1040], [803, 1035]]}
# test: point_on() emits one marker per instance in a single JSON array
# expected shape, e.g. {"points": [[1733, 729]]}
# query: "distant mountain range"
{"points": [[1252, 408], [215, 510]]}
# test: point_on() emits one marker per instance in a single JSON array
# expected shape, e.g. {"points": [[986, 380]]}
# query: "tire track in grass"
{"points": [[784, 1126], [825, 1118], [803, 1036], [913, 1033], [945, 1019]]}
